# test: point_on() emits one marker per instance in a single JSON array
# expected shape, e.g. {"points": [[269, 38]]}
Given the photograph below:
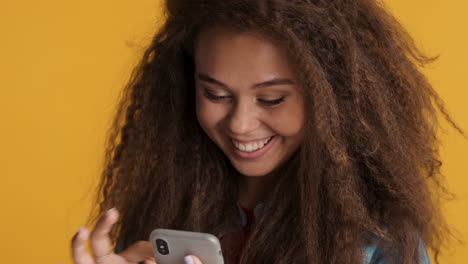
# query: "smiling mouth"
{"points": [[253, 146]]}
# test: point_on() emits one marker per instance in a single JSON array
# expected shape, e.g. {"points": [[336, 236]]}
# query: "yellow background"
{"points": [[62, 65]]}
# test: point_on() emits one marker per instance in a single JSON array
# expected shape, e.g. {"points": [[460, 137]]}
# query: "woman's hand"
{"points": [[101, 246]]}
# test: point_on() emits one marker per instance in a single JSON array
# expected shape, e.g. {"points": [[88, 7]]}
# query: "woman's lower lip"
{"points": [[257, 153]]}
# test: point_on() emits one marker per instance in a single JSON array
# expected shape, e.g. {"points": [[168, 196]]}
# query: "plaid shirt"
{"points": [[372, 254]]}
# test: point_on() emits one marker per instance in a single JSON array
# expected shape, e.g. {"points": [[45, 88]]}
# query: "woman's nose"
{"points": [[242, 118]]}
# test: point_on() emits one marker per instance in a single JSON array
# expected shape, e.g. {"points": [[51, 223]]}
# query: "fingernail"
{"points": [[77, 234], [109, 211], [188, 260], [79, 231]]}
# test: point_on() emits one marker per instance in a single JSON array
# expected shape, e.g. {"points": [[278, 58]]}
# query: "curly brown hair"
{"points": [[369, 162]]}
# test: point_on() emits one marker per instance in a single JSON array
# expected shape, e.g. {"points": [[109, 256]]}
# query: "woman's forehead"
{"points": [[229, 54]]}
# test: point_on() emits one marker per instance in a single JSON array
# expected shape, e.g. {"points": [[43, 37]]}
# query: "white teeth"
{"points": [[252, 146]]}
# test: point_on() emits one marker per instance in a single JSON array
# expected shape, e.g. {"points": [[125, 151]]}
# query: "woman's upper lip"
{"points": [[250, 140]]}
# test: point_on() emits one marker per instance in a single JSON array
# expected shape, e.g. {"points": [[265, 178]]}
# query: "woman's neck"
{"points": [[254, 190]]}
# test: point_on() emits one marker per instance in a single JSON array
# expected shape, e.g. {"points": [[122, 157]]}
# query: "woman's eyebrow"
{"points": [[274, 81]]}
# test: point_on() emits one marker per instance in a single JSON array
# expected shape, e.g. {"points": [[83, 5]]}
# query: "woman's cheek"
{"points": [[209, 114], [286, 121]]}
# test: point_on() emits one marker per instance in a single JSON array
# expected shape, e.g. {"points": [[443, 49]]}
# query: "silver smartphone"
{"points": [[171, 246]]}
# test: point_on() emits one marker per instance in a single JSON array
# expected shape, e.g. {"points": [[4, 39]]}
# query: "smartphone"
{"points": [[171, 246]]}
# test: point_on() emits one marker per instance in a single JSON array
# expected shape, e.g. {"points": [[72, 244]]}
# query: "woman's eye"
{"points": [[272, 102], [214, 97]]}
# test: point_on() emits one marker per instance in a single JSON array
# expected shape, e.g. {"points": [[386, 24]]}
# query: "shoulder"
{"points": [[374, 255]]}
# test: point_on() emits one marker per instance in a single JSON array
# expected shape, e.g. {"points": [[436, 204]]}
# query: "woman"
{"points": [[297, 131]]}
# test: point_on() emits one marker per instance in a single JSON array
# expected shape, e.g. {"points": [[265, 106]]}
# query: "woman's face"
{"points": [[248, 100]]}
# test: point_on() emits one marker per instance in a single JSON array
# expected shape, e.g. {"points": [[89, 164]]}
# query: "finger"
{"points": [[150, 261], [100, 241], [139, 251], [79, 253], [191, 259], [196, 260]]}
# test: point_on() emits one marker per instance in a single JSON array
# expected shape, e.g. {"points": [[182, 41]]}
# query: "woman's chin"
{"points": [[251, 171]]}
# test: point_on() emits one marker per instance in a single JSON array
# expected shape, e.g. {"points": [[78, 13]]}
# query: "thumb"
{"points": [[140, 251], [190, 259]]}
